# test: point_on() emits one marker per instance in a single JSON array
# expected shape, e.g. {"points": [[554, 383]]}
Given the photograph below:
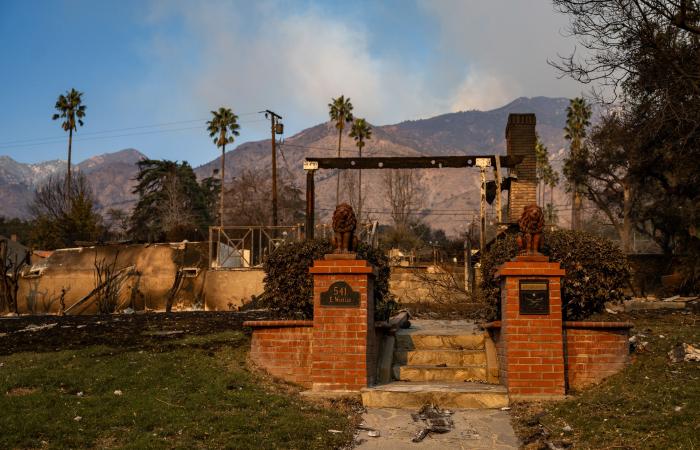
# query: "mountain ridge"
{"points": [[463, 132]]}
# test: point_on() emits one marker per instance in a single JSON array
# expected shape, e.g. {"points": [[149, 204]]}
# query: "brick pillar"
{"points": [[341, 356], [520, 141], [532, 337]]}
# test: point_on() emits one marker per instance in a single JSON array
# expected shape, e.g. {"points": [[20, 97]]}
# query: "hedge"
{"points": [[289, 286], [596, 269]]}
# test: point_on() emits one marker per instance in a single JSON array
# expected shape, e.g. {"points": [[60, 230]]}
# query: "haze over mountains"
{"points": [[451, 195]]}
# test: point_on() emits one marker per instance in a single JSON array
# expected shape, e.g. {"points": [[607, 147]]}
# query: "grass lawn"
{"points": [[652, 404], [194, 392]]}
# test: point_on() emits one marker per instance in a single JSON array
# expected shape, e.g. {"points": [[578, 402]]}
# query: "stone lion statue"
{"points": [[531, 224], [344, 225]]}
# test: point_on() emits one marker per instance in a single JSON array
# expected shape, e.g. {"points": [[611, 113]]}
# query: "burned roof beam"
{"points": [[410, 162]]}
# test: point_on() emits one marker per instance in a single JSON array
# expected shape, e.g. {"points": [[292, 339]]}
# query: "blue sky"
{"points": [[152, 70]]}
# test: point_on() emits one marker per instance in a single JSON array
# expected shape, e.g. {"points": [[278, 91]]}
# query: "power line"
{"points": [[93, 138], [114, 130]]}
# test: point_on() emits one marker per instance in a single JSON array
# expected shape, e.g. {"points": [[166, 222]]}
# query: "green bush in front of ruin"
{"points": [[596, 270]]}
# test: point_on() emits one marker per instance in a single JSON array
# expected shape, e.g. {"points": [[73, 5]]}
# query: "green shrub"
{"points": [[289, 286], [596, 270], [384, 304]]}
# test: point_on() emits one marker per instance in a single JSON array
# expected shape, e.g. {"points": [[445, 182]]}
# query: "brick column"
{"points": [[520, 141], [341, 357], [533, 343]]}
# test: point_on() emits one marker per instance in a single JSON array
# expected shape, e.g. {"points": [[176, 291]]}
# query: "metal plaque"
{"points": [[340, 295], [534, 297], [310, 165], [483, 162]]}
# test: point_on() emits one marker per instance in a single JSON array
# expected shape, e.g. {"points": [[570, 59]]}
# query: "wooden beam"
{"points": [[310, 200], [411, 162]]}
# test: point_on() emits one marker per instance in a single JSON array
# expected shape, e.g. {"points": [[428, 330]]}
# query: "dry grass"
{"points": [[189, 393], [652, 404]]}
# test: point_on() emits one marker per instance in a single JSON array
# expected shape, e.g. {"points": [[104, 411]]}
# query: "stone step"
{"points": [[401, 394], [417, 341], [432, 373], [452, 358]]}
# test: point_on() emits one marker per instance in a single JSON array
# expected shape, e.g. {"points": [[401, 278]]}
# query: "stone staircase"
{"points": [[440, 362]]}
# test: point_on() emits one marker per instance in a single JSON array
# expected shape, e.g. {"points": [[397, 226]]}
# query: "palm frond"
{"points": [[223, 122]]}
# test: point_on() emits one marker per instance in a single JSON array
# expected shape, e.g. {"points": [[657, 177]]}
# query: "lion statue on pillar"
{"points": [[344, 225], [531, 224]]}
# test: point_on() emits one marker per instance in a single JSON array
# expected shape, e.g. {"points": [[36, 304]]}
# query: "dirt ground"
{"points": [[54, 333]]}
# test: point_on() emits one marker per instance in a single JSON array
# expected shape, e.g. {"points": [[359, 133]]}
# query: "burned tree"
{"points": [[109, 281], [61, 216], [248, 195], [11, 267], [108, 284]]}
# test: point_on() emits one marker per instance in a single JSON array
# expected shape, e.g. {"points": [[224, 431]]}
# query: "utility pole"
{"points": [[275, 128]]}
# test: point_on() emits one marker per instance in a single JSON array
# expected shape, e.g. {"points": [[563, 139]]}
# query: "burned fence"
{"points": [[240, 247]]}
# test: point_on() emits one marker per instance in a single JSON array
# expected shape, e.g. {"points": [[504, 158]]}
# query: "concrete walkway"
{"points": [[474, 429]]}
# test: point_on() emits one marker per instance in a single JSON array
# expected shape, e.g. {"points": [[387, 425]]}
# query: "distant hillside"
{"points": [[110, 176], [451, 195]]}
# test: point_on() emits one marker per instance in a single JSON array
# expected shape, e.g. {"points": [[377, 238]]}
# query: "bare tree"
{"points": [[117, 222], [63, 217], [248, 197], [350, 183], [109, 281], [443, 284], [404, 194], [616, 33], [173, 215], [11, 267]]}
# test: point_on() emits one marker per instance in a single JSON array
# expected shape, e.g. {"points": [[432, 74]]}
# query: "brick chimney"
{"points": [[520, 141]]}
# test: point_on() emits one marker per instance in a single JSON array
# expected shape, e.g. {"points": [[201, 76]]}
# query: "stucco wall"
{"points": [[228, 289], [145, 288]]}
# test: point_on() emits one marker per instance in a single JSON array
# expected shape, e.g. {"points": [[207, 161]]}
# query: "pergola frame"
{"points": [[312, 164]]}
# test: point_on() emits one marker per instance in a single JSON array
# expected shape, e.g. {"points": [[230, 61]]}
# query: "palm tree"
{"points": [[70, 107], [541, 162], [340, 111], [360, 131], [223, 122], [578, 116]]}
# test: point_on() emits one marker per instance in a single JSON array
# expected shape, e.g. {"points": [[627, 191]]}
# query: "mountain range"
{"points": [[450, 195]]}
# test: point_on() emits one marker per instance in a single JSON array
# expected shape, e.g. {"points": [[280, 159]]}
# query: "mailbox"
{"points": [[534, 297]]}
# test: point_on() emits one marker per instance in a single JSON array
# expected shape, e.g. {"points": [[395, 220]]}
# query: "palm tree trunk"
{"points": [[221, 194], [359, 200], [68, 174], [337, 187]]}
